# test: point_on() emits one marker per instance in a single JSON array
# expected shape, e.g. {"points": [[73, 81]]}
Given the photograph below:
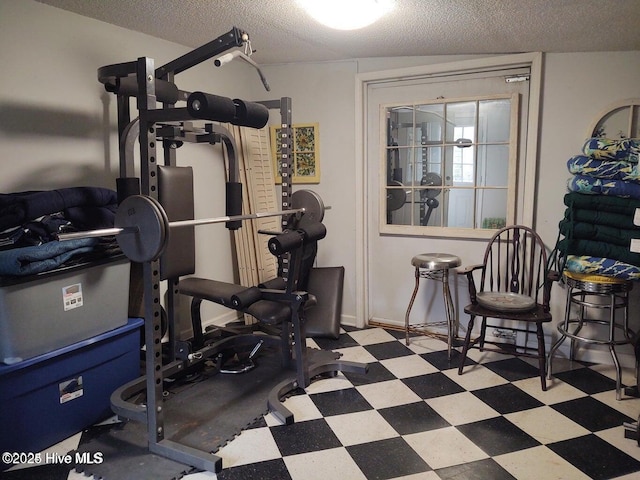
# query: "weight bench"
{"points": [[277, 305]]}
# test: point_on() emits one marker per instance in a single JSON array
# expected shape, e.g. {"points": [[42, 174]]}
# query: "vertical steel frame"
{"points": [[152, 305], [148, 116]]}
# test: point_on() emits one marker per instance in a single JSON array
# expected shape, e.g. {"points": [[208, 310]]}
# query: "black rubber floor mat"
{"points": [[125, 456], [40, 472], [204, 411]]}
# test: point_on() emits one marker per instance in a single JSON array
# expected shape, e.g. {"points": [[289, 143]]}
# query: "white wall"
{"points": [[57, 125], [578, 88], [324, 93]]}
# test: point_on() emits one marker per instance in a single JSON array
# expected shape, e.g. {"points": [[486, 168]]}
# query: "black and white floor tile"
{"points": [[412, 417]]}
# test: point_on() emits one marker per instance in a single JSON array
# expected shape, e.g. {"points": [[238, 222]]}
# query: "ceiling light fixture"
{"points": [[347, 14]]}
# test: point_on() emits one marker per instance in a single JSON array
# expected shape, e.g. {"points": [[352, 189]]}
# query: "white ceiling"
{"points": [[281, 32]]}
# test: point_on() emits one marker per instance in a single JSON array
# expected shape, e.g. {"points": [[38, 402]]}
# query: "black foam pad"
{"points": [[206, 106], [285, 242], [246, 297], [166, 92], [250, 114], [127, 186], [314, 232], [233, 199]]}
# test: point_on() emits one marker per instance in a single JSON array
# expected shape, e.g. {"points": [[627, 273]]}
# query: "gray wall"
{"points": [[57, 126]]}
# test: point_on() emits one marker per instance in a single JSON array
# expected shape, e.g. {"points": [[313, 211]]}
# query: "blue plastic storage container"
{"points": [[50, 397]]}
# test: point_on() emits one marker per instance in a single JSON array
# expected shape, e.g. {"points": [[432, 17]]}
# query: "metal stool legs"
{"points": [[413, 298], [579, 293], [435, 267], [452, 321]]}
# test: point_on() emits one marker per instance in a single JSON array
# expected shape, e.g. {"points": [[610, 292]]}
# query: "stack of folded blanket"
{"points": [[30, 222], [598, 226]]}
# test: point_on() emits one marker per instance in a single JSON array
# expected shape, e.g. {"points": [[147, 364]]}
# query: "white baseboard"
{"points": [[598, 356], [218, 321], [585, 352], [348, 320], [386, 321]]}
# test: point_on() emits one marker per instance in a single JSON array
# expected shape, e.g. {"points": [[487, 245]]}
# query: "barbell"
{"points": [[141, 225]]}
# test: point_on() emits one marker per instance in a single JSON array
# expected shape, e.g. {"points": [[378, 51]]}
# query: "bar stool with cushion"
{"points": [[436, 267], [595, 293]]}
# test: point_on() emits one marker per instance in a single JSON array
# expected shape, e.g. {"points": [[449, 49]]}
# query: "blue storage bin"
{"points": [[50, 397]]}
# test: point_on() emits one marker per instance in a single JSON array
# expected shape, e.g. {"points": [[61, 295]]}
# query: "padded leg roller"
{"points": [[211, 107]]}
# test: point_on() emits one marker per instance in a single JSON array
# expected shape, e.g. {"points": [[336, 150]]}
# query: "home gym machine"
{"points": [[142, 228]]}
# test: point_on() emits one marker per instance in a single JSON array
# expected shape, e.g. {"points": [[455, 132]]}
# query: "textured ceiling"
{"points": [[281, 32]]}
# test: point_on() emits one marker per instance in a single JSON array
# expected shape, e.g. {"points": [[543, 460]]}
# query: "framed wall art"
{"points": [[305, 155]]}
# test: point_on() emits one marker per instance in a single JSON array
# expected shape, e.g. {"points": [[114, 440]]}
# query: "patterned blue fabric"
{"points": [[597, 186], [598, 226], [602, 266], [627, 149], [606, 169]]}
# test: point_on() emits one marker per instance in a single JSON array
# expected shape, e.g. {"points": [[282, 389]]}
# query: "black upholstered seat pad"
{"points": [[221, 293]]}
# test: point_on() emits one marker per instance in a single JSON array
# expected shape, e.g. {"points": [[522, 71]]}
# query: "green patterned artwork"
{"points": [[305, 153]]}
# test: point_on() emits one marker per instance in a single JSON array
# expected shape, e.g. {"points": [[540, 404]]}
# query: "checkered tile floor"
{"points": [[413, 417]]}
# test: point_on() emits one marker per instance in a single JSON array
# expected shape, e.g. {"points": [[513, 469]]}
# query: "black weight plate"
{"points": [[396, 197], [149, 241], [431, 179], [310, 201]]}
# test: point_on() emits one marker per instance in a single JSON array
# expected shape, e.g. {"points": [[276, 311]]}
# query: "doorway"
{"points": [[384, 271]]}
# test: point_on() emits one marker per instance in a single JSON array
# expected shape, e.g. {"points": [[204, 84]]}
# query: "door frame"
{"points": [[533, 60]]}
